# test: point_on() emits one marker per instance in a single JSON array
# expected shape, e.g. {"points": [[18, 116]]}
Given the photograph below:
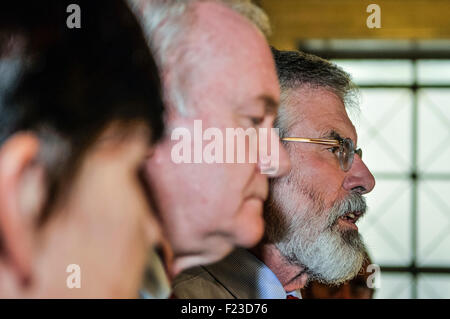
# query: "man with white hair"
{"points": [[216, 68], [311, 212]]}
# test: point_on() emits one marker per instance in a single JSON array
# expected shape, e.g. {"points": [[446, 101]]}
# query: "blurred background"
{"points": [[403, 70]]}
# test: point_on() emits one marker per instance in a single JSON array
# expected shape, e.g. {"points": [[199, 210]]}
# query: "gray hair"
{"points": [[253, 13], [297, 69], [167, 24]]}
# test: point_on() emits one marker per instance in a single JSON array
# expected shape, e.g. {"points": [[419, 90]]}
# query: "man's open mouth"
{"points": [[350, 219]]}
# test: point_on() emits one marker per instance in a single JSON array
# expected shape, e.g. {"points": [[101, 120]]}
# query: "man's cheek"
{"points": [[326, 177]]}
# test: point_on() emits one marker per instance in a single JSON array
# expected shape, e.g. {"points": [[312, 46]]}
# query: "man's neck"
{"points": [[292, 277]]}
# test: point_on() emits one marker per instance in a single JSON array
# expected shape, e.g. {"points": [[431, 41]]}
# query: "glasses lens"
{"points": [[346, 153]]}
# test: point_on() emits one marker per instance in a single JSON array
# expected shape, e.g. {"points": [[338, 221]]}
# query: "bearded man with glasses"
{"points": [[311, 213]]}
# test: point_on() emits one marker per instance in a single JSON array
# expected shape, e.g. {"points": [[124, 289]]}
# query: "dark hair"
{"points": [[297, 68], [70, 84]]}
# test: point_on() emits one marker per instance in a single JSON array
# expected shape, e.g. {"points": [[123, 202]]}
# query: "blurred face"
{"points": [[317, 204], [209, 208], [103, 224]]}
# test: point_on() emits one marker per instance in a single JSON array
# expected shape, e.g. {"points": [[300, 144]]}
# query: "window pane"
{"points": [[433, 286], [434, 223], [384, 129], [434, 130], [378, 71], [386, 227], [394, 286], [433, 71]]}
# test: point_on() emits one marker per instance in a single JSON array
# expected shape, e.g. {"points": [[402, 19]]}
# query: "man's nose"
{"points": [[359, 178]]}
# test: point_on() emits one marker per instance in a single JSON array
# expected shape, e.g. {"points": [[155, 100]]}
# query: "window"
{"points": [[404, 131]]}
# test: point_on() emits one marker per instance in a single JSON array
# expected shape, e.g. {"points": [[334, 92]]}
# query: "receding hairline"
{"points": [[208, 11], [298, 71], [207, 43], [171, 27], [288, 116]]}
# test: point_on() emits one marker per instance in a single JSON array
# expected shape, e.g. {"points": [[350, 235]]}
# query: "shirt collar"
{"points": [[246, 277]]}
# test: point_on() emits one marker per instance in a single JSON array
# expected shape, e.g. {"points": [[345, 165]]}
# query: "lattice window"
{"points": [[404, 130]]}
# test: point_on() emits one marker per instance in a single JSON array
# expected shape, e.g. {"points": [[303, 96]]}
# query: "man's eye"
{"points": [[333, 149], [257, 120]]}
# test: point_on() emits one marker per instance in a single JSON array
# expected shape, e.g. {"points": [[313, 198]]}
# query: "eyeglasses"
{"points": [[345, 149]]}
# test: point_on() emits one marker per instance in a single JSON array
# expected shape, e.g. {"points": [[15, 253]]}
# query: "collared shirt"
{"points": [[241, 274]]}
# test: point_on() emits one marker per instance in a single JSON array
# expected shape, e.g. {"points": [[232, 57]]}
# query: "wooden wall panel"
{"points": [[293, 20]]}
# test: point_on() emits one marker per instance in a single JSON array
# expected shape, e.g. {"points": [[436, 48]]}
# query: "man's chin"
{"points": [[334, 265], [351, 270]]}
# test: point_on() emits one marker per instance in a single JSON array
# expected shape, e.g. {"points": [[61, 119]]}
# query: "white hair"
{"points": [[167, 24], [306, 232], [253, 13]]}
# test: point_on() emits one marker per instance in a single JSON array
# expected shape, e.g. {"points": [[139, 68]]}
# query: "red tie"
{"points": [[291, 297]]}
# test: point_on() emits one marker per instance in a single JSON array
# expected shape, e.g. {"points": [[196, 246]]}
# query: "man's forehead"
{"points": [[332, 128], [224, 35], [234, 63], [218, 17], [322, 113]]}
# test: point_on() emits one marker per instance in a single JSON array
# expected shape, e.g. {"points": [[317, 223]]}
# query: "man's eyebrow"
{"points": [[331, 134], [270, 104]]}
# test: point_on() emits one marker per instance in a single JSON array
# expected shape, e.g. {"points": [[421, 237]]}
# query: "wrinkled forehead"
{"points": [[319, 113]]}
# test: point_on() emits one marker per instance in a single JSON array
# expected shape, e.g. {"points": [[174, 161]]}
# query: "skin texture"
{"points": [[315, 167], [103, 221], [207, 209]]}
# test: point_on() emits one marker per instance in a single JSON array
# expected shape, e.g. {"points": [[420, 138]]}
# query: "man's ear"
{"points": [[22, 189]]}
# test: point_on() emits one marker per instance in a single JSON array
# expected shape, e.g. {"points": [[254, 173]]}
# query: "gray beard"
{"points": [[312, 240]]}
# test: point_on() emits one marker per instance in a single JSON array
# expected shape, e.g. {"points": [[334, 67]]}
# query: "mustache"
{"points": [[354, 202]]}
